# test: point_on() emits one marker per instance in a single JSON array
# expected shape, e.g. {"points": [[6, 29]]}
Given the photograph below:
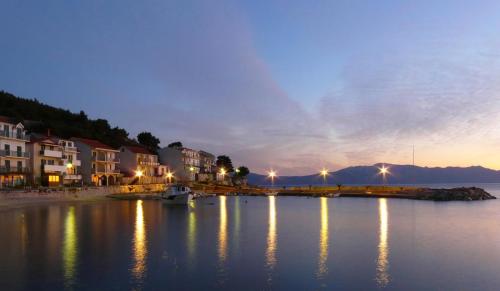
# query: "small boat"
{"points": [[177, 195]]}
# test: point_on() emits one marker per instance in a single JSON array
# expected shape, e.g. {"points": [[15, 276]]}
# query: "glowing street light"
{"points": [[191, 169], [272, 174], [324, 173], [139, 174], [169, 177], [384, 171], [69, 166]]}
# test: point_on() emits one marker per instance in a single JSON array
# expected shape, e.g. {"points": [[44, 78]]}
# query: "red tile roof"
{"points": [[139, 150], [93, 143], [52, 139], [6, 119]]}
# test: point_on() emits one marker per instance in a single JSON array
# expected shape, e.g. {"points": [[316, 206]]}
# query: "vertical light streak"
{"points": [[323, 239], [191, 239], [383, 246], [271, 236], [140, 244], [70, 248], [222, 230]]}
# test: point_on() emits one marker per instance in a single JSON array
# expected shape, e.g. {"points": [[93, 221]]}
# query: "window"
{"points": [[19, 165], [53, 179], [44, 162], [7, 164], [51, 162], [19, 151]]}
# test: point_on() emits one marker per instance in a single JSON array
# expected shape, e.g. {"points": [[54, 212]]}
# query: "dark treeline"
{"points": [[39, 117]]}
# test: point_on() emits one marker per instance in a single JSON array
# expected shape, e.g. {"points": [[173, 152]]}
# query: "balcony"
{"points": [[50, 153], [54, 168], [100, 170], [14, 170], [14, 154], [14, 135], [75, 163], [148, 163], [71, 149], [72, 177], [105, 159]]}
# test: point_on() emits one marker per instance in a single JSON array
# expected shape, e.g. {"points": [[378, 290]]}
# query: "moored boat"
{"points": [[177, 195]]}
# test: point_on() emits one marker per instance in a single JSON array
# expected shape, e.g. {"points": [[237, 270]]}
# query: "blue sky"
{"points": [[296, 86]]}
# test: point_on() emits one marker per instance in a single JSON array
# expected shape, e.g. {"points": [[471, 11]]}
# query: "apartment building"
{"points": [[14, 159], [208, 167], [54, 161], [100, 163], [137, 159], [184, 162]]}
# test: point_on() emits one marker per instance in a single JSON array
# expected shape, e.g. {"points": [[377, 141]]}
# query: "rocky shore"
{"points": [[454, 194]]}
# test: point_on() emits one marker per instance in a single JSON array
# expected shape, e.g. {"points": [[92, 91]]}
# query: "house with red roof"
{"points": [[54, 161], [100, 163]]}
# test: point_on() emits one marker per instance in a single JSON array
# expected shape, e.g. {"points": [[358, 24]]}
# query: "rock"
{"points": [[454, 194]]}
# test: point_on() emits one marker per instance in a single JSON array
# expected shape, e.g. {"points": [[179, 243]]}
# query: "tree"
{"points": [[176, 144], [242, 172], [149, 141], [226, 163]]}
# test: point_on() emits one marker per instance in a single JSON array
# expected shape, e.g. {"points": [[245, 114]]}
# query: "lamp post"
{"points": [[384, 171], [138, 174], [324, 173], [272, 175], [223, 173], [169, 177]]}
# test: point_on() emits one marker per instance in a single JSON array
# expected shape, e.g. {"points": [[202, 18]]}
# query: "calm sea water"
{"points": [[253, 243]]}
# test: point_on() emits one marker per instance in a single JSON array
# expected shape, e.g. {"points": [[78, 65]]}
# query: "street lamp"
{"points": [[272, 174], [384, 171], [169, 177], [324, 173], [138, 174]]}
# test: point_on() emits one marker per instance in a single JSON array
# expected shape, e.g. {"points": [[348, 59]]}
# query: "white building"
{"points": [[13, 156]]}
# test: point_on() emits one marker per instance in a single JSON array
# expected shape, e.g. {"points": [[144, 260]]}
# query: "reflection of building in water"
{"points": [[323, 239], [383, 247], [271, 236], [222, 230], [70, 250], [140, 244]]}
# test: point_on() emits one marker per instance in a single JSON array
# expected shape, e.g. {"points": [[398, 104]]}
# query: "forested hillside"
{"points": [[39, 117]]}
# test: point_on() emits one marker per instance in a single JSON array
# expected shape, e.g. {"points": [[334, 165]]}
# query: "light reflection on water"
{"points": [[222, 251], [140, 245], [383, 277], [272, 243], [70, 248], [226, 243], [191, 235], [323, 239]]}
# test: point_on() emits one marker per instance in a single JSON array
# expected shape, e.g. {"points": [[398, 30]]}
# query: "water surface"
{"points": [[253, 243]]}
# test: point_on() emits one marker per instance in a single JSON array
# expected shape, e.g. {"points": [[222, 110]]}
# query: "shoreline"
{"points": [[13, 200]]}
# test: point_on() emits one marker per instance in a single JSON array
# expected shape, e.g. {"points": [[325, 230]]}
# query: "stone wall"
{"points": [[83, 192]]}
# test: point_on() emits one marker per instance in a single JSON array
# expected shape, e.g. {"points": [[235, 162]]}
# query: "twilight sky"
{"points": [[292, 85]]}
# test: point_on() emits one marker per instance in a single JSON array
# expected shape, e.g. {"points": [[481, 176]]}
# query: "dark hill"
{"points": [[399, 174]]}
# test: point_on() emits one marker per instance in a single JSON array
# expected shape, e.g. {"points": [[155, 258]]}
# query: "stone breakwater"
{"points": [[454, 194]]}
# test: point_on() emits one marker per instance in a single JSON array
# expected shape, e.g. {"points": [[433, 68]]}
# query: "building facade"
{"points": [[183, 162], [100, 163], [14, 158], [137, 159], [54, 161], [208, 167]]}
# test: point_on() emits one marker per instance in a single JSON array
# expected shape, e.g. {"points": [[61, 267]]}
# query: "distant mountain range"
{"points": [[399, 174]]}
